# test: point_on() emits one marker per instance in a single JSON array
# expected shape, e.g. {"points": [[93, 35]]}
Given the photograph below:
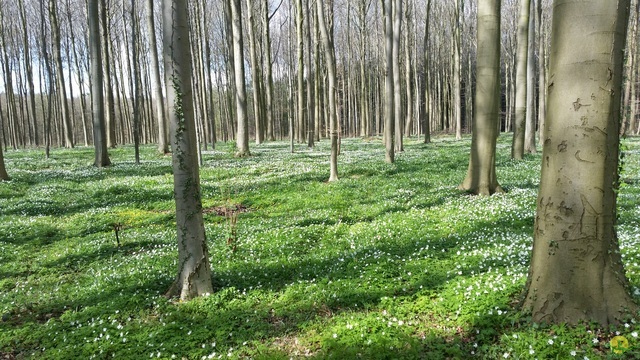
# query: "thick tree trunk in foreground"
{"points": [[95, 53], [330, 57], [194, 270], [481, 176], [576, 271]]}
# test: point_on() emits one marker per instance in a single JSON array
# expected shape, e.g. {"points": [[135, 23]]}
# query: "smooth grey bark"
{"points": [[61, 85], [576, 273], [255, 73], [163, 136], [457, 93], [330, 59], [542, 70], [266, 35], [110, 106], [242, 136], [389, 84], [397, 75], [300, 69], [530, 120], [29, 70], [136, 96], [481, 176], [194, 269], [426, 94], [95, 59], [517, 148]]}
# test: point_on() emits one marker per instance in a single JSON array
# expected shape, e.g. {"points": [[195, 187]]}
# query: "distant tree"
{"points": [[67, 124], [163, 138], [389, 85], [194, 269], [330, 58], [481, 176], [95, 53], [576, 272]]}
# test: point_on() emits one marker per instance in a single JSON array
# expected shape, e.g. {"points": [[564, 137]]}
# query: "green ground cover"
{"points": [[391, 262]]}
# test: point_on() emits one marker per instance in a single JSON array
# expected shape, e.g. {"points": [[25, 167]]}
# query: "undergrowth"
{"points": [[390, 262]]}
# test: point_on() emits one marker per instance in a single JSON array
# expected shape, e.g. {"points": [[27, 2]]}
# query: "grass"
{"points": [[391, 262]]}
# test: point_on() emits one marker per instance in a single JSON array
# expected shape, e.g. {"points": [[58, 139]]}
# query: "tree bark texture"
{"points": [[576, 271], [481, 176], [194, 269], [330, 58], [242, 136], [97, 95], [522, 57]]}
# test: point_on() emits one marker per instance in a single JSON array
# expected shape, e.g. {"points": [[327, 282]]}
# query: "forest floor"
{"points": [[390, 262]]}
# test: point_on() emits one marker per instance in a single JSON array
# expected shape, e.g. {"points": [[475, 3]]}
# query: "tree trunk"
{"points": [[57, 59], [255, 72], [110, 118], [300, 69], [389, 84], [29, 69], [136, 96], [530, 122], [517, 149], [481, 176], [266, 34], [457, 103], [242, 136], [95, 53], [194, 269], [397, 74], [163, 138], [576, 272], [426, 119], [542, 81], [330, 58]]}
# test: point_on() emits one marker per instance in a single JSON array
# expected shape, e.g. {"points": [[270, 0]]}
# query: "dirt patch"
{"points": [[226, 210]]}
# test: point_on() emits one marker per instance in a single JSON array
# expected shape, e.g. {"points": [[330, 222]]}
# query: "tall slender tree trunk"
{"points": [[530, 122], [255, 72], [62, 89], [389, 84], [136, 96], [481, 176], [426, 119], [29, 70], [542, 71], [330, 58], [457, 68], [194, 269], [517, 148], [397, 74], [242, 136], [309, 74], [300, 69], [163, 138], [95, 58], [110, 104], [266, 34], [576, 273]]}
